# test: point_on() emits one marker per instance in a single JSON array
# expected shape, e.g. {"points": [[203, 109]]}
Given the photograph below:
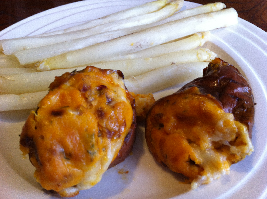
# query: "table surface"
{"points": [[12, 11]]}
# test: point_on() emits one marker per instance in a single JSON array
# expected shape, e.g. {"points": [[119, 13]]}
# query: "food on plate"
{"points": [[141, 40], [136, 51], [138, 66], [165, 77], [11, 102], [26, 82], [24, 91], [10, 46], [124, 14], [184, 44], [83, 126], [84, 38], [85, 120], [143, 103], [33, 48], [33, 55], [14, 45], [205, 127], [207, 8]]}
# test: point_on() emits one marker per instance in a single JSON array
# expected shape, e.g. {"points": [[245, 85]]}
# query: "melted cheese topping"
{"points": [[77, 130], [192, 135]]}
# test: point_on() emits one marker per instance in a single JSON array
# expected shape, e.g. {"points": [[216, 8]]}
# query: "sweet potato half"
{"points": [[204, 127]]}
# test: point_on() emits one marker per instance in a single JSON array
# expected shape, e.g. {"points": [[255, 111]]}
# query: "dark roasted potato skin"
{"points": [[224, 82], [205, 127]]}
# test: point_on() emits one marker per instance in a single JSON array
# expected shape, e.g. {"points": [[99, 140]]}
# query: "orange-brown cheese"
{"points": [[192, 135], [78, 129], [206, 126]]}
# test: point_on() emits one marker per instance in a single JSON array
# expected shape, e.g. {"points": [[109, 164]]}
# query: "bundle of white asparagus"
{"points": [[155, 45]]}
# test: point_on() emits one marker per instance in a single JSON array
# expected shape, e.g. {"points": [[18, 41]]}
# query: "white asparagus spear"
{"points": [[212, 7], [202, 9], [133, 67], [9, 61], [207, 8], [39, 81], [21, 102], [131, 12], [165, 77], [14, 45], [152, 81], [33, 55], [188, 43], [29, 82], [10, 65], [142, 40], [18, 70]]}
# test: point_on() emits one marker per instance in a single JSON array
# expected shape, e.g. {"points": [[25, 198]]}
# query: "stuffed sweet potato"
{"points": [[83, 126], [205, 127]]}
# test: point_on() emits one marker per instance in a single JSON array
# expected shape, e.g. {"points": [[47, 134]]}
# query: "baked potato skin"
{"points": [[174, 123], [224, 82], [87, 118], [204, 127]]}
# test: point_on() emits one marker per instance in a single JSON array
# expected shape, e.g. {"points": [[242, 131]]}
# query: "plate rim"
{"points": [[257, 30]]}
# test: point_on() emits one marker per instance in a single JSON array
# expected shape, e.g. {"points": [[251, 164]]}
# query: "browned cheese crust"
{"points": [[224, 82], [205, 127], [84, 125]]}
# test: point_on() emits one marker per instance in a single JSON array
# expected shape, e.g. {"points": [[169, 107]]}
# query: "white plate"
{"points": [[243, 45]]}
